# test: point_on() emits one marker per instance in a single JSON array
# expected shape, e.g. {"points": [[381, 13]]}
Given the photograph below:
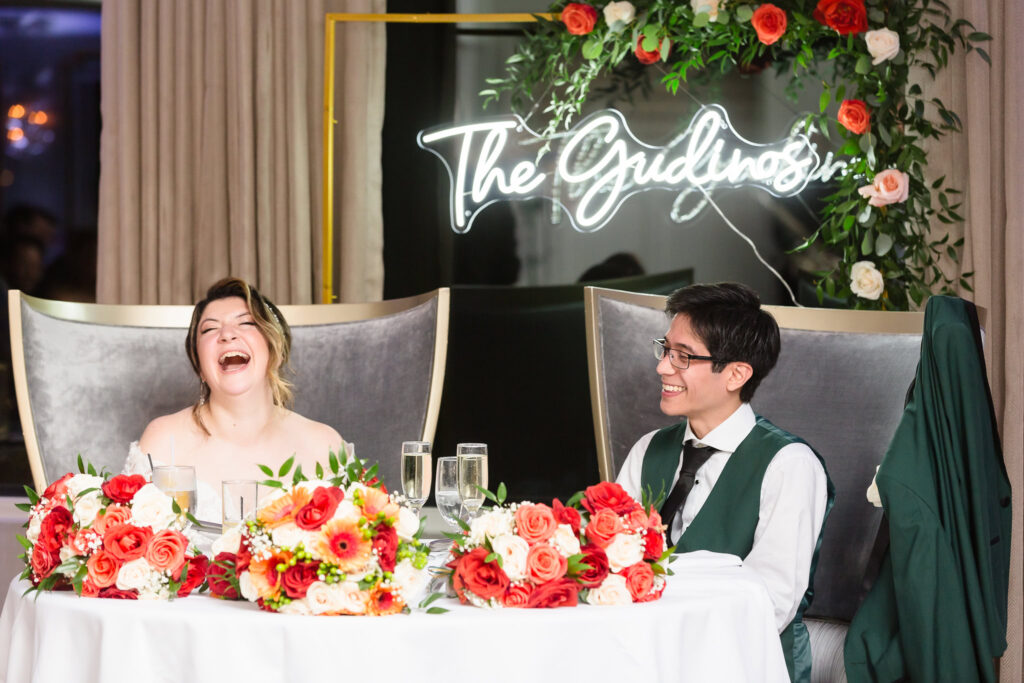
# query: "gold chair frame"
{"points": [[788, 317], [181, 316]]}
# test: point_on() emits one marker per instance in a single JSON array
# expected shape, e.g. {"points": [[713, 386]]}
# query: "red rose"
{"points": [[560, 593], [218, 575], [244, 555], [57, 488], [517, 595], [386, 545], [579, 19], [854, 116], [639, 580], [118, 594], [43, 562], [645, 57], [609, 495], [54, 531], [654, 544], [843, 16], [298, 577], [596, 558], [484, 579], [564, 515], [122, 488], [89, 589], [127, 542], [195, 569], [770, 23], [320, 508]]}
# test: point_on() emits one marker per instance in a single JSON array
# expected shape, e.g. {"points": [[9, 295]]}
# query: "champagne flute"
{"points": [[472, 463], [178, 482], [416, 473]]}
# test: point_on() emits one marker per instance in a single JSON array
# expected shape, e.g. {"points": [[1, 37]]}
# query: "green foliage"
{"points": [[554, 73]]}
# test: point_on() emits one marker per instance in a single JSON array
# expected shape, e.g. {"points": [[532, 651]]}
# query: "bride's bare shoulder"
{"points": [[317, 436], [156, 438]]}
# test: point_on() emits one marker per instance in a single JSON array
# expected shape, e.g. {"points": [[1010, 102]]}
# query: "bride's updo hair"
{"points": [[270, 322]]}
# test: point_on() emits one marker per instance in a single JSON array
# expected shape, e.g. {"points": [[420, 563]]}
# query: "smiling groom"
{"points": [[735, 482]]}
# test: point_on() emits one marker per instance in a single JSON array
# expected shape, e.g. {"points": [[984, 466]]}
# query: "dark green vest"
{"points": [[727, 520]]}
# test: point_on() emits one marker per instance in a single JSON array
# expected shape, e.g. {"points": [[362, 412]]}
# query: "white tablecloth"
{"points": [[713, 624]]}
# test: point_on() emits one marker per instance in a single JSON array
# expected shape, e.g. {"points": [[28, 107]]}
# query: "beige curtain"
{"points": [[986, 162], [211, 150]]}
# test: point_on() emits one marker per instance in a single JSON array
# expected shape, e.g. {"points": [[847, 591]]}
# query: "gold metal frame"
{"points": [[788, 317], [181, 316], [328, 119]]}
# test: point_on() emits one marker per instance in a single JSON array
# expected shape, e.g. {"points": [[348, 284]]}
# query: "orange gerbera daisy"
{"points": [[342, 543], [375, 500], [383, 600], [265, 577], [283, 510]]}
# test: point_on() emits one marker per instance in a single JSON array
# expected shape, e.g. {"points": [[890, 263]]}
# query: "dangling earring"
{"points": [[202, 392]]}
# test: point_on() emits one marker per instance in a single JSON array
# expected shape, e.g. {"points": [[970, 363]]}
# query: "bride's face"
{"points": [[233, 353]]}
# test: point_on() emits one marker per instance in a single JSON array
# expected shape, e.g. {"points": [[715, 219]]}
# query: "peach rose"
{"points": [[89, 589], [636, 519], [166, 550], [535, 523], [111, 516], [604, 525], [103, 568], [889, 187], [639, 580], [79, 543], [517, 595], [544, 564]]}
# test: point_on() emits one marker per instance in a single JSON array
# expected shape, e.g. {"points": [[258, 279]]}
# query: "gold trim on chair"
{"points": [[788, 317], [181, 316]]}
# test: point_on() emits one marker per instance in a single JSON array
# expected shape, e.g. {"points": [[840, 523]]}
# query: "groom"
{"points": [[761, 492]]}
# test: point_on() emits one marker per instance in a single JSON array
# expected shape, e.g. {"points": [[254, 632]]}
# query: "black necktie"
{"points": [[693, 457]]}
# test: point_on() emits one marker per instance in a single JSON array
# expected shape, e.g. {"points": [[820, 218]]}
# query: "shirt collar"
{"points": [[727, 436]]}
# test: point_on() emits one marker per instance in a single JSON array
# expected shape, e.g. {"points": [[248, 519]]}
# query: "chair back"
{"points": [[840, 383], [89, 377]]}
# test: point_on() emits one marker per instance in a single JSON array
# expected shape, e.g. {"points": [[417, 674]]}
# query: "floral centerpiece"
{"points": [[869, 57], [109, 537], [601, 548], [339, 544]]}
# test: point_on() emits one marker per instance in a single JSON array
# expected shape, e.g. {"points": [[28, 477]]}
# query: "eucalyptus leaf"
{"points": [[649, 43], [701, 20], [863, 66], [592, 48], [883, 243], [744, 13], [868, 244]]}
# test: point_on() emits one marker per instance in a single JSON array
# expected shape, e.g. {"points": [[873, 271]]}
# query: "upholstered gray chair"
{"points": [[840, 383], [90, 377]]}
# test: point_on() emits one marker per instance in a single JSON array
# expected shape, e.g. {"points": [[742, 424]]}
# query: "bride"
{"points": [[238, 343]]}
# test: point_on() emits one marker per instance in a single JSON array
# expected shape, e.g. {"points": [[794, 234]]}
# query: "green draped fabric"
{"points": [[727, 520], [937, 611]]}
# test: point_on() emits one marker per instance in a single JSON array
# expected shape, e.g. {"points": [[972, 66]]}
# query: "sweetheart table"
{"points": [[714, 623]]}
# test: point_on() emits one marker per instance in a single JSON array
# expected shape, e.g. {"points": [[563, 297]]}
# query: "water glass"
{"points": [[416, 473], [446, 491], [239, 498], [178, 482], [472, 464]]}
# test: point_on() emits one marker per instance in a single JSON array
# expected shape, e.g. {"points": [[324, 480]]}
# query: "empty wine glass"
{"points": [[472, 464], [416, 473]]}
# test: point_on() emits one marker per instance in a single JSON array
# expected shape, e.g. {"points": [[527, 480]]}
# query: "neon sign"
{"points": [[598, 164]]}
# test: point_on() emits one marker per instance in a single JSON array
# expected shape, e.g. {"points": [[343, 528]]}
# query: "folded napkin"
{"points": [[705, 559]]}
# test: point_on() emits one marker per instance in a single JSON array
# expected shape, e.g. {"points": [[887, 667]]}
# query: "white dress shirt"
{"points": [[792, 509]]}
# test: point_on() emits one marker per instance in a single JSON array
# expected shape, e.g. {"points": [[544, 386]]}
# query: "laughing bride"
{"points": [[238, 343]]}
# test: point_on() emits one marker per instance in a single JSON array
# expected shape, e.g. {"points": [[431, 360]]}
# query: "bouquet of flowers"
{"points": [[341, 545], [601, 548], [116, 537]]}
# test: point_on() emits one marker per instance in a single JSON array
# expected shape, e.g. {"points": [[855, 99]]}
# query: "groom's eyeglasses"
{"points": [[678, 359]]}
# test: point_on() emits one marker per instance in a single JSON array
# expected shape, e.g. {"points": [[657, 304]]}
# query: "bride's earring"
{"points": [[202, 392]]}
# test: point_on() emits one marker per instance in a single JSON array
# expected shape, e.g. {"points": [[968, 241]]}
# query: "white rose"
{"points": [[408, 524], [513, 551], [612, 591], [299, 606], [883, 44], [618, 14], [625, 550], [65, 553], [136, 574], [246, 587], [289, 535], [87, 507], [321, 598], [865, 280], [81, 482], [346, 510], [152, 507], [708, 7], [874, 497], [566, 541], [35, 523], [410, 581], [351, 599], [228, 542], [490, 525]]}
